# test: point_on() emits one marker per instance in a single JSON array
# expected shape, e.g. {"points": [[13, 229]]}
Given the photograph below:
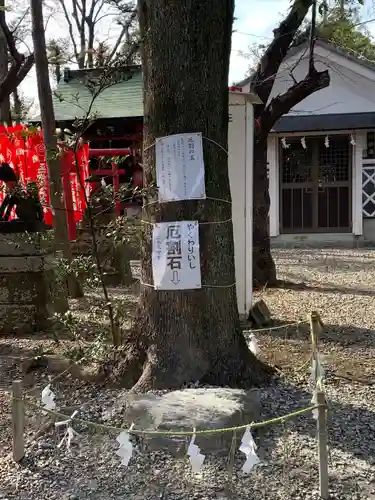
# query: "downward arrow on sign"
{"points": [[175, 279]]}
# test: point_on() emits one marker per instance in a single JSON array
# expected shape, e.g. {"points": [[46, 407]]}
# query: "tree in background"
{"points": [[58, 54], [14, 65], [50, 140], [290, 31], [84, 20], [4, 67], [20, 106], [187, 336], [342, 26]]}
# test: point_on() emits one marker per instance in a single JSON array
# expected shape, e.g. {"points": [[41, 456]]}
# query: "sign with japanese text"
{"points": [[175, 255], [180, 167]]}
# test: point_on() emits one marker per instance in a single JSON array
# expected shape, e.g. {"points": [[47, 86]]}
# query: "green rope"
{"points": [[252, 425]]}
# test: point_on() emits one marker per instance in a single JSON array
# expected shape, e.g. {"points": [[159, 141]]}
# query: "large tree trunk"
{"points": [[50, 141], [192, 335], [264, 269]]}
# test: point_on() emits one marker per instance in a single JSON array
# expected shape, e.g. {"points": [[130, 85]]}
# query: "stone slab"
{"points": [[18, 319], [25, 264], [25, 288], [185, 409], [22, 244]]}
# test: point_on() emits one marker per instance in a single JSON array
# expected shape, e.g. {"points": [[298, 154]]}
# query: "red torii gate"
{"points": [[23, 149]]}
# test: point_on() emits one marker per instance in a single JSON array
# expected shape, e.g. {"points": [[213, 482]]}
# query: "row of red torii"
{"points": [[23, 149]]}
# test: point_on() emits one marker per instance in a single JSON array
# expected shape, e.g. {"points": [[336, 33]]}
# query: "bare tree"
{"points": [[14, 66], [266, 115], [271, 110], [4, 66], [84, 18], [50, 140]]}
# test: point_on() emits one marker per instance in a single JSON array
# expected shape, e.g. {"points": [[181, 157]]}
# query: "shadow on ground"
{"points": [[345, 336], [319, 287], [351, 428]]}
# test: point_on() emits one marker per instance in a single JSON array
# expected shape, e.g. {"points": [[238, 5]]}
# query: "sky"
{"points": [[255, 20]]}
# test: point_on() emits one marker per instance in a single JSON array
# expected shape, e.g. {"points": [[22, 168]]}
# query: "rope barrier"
{"points": [[279, 327], [252, 425]]}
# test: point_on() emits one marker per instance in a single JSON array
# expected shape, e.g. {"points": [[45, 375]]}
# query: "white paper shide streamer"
{"points": [[254, 346], [314, 401], [303, 143], [196, 458], [125, 451], [48, 398], [317, 368], [326, 141], [284, 143], [352, 140], [248, 447], [70, 433]]}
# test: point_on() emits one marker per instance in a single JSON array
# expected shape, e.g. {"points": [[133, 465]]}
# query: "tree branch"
{"points": [[312, 38], [125, 29], [25, 68], [70, 27], [264, 77], [94, 16], [18, 58], [80, 23], [282, 104], [15, 76], [20, 20]]}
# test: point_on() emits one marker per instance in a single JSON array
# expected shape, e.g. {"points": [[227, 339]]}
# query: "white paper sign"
{"points": [[180, 167], [175, 255]]}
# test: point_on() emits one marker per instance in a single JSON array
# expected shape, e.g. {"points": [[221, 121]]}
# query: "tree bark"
{"points": [[190, 335], [17, 107], [50, 141], [264, 269], [19, 67], [266, 114], [4, 64]]}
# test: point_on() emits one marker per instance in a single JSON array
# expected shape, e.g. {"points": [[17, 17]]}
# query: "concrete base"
{"points": [[192, 408], [26, 271], [317, 240], [369, 231], [114, 259]]}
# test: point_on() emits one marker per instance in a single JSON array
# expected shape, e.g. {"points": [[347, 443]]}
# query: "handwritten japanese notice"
{"points": [[175, 255], [180, 167]]}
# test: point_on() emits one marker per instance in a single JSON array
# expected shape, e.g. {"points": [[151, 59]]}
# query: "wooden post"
{"points": [[322, 445], [66, 167], [315, 327], [116, 188], [18, 421]]}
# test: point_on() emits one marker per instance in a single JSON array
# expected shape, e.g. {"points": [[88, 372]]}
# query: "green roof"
{"points": [[72, 97]]}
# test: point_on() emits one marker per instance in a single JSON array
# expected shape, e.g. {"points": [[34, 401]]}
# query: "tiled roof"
{"points": [[72, 98]]}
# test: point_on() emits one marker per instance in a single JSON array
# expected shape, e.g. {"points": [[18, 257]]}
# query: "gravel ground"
{"points": [[340, 285]]}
